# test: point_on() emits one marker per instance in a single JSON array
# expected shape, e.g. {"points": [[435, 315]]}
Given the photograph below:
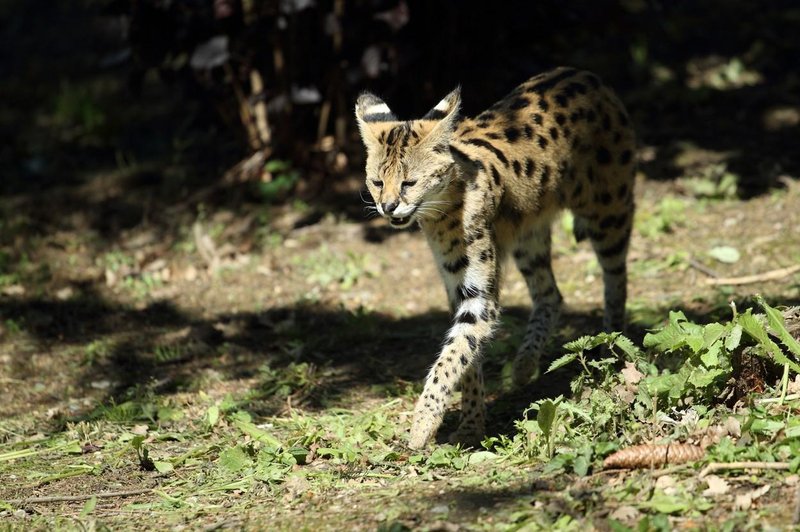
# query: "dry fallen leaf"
{"points": [[631, 374], [665, 481], [716, 485], [733, 427], [745, 500], [794, 386], [625, 514]]}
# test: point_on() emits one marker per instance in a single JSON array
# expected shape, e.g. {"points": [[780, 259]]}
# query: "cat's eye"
{"points": [[407, 184], [377, 184]]}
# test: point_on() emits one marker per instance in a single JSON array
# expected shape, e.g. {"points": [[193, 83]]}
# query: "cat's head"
{"points": [[408, 162]]}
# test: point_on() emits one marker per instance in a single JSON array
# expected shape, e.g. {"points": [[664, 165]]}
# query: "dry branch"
{"points": [[719, 466], [651, 455], [756, 278], [699, 266], [73, 498], [796, 512]]}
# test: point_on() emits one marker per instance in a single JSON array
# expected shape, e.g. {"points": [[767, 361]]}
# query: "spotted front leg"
{"points": [[460, 357], [476, 313]]}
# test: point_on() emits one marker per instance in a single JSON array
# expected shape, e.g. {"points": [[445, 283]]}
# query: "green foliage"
{"points": [[444, 456], [715, 183], [8, 273], [282, 179], [96, 351], [670, 384], [287, 380], [76, 109], [142, 454], [327, 268], [667, 215], [726, 254], [164, 354], [665, 389]]}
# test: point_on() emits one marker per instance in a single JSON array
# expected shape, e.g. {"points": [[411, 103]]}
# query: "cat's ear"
{"points": [[447, 109], [444, 115], [371, 110]]}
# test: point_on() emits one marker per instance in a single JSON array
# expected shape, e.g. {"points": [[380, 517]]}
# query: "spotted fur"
{"points": [[485, 187]]}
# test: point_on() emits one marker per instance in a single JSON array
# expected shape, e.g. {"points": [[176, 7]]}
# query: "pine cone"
{"points": [[651, 455]]}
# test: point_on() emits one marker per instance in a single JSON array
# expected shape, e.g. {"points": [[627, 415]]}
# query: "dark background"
{"points": [[91, 86]]}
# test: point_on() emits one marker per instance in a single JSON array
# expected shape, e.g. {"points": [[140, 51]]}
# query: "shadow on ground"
{"points": [[314, 355]]}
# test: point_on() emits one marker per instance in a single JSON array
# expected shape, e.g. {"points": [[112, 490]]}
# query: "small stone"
{"points": [[101, 385], [440, 509], [65, 293]]}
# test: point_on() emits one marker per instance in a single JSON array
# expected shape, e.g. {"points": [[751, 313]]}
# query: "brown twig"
{"points": [[71, 498], [771, 275], [796, 513], [699, 266], [719, 466]]}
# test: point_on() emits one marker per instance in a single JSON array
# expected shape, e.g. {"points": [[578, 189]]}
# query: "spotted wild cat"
{"points": [[482, 188]]}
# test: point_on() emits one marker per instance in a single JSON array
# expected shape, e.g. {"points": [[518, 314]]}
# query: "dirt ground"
{"points": [[84, 325]]}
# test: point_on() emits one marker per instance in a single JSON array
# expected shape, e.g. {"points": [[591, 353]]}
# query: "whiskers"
{"points": [[433, 209], [370, 209]]}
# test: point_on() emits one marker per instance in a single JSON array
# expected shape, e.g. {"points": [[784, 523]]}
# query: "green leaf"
{"points": [[242, 421], [726, 254], [734, 338], [89, 507], [163, 467], [710, 357], [581, 465], [573, 408], [166, 413], [602, 448], [276, 165], [701, 378], [756, 330], [665, 382], [72, 448], [673, 336], [546, 416], [234, 459], [616, 526], [627, 346], [562, 361], [137, 441], [711, 333], [694, 341], [212, 415], [479, 457], [666, 504], [794, 464], [581, 344], [299, 453], [792, 432], [458, 462], [766, 426], [778, 326], [445, 456]]}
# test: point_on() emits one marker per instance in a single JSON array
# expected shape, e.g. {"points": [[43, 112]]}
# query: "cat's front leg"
{"points": [[476, 313]]}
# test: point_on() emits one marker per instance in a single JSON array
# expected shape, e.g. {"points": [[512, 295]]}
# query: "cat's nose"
{"points": [[389, 208]]}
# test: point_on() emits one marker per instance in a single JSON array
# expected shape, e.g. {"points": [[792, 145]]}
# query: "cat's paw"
{"points": [[423, 427]]}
